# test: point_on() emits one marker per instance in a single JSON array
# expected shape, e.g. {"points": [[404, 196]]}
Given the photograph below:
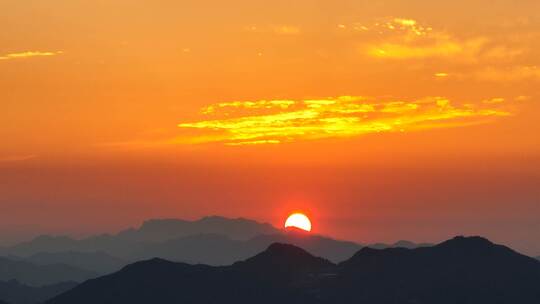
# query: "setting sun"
{"points": [[298, 220]]}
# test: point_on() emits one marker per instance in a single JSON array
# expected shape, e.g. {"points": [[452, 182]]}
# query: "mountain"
{"points": [[215, 249], [282, 263], [37, 275], [461, 270], [128, 241], [159, 230], [334, 250], [99, 262], [269, 277], [210, 240], [14, 292]]}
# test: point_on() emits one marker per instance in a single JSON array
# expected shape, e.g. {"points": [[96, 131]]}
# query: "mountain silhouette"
{"points": [[461, 270], [334, 250], [161, 281], [159, 230], [283, 263], [14, 292], [37, 275]]}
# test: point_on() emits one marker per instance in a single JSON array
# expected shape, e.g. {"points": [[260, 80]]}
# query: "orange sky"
{"points": [[388, 120]]}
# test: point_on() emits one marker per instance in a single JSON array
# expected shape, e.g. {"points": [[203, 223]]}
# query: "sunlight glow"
{"points": [[298, 220]]}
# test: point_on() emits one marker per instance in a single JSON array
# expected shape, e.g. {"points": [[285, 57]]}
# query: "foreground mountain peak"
{"points": [[468, 241], [285, 254]]}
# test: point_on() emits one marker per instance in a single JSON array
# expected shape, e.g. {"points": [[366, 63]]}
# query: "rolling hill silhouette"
{"points": [[461, 270], [13, 292]]}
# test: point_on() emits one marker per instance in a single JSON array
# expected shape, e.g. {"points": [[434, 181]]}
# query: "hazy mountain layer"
{"points": [[153, 231], [99, 262], [109, 244], [210, 240], [219, 250], [37, 275], [14, 292]]}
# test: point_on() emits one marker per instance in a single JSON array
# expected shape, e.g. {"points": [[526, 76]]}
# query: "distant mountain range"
{"points": [[210, 240], [126, 242], [13, 292], [153, 237], [159, 230], [461, 270]]}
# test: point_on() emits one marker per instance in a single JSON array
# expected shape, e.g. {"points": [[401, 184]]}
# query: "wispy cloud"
{"points": [[28, 54], [278, 121], [408, 39], [402, 38]]}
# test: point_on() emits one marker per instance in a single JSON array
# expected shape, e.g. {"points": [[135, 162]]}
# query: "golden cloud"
{"points": [[407, 38], [279, 121], [28, 54], [401, 38]]}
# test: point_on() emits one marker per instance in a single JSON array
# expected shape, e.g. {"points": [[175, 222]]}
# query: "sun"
{"points": [[298, 220]]}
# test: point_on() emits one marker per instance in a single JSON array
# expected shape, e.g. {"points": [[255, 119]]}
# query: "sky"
{"points": [[381, 120]]}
